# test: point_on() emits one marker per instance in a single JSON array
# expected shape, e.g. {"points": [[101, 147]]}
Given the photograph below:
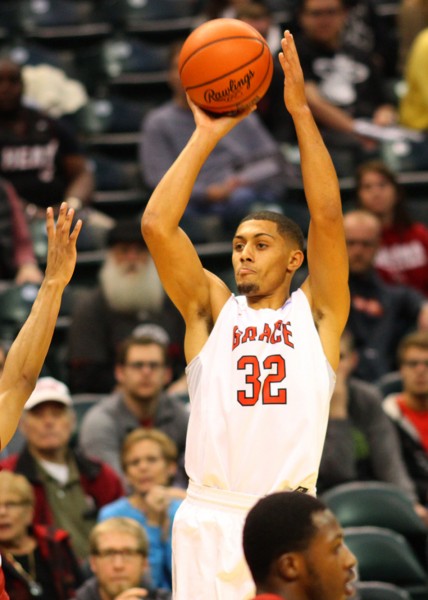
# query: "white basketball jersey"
{"points": [[259, 391]]}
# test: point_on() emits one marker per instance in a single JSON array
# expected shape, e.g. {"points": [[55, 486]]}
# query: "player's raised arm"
{"points": [[176, 259], [327, 284], [28, 352]]}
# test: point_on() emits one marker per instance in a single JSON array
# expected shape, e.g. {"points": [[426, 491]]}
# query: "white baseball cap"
{"points": [[49, 389]]}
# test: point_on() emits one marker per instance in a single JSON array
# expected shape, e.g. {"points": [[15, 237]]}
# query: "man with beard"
{"points": [[118, 560], [142, 372], [129, 294]]}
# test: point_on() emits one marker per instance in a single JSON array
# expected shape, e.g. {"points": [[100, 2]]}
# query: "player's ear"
{"points": [[289, 566], [295, 260]]}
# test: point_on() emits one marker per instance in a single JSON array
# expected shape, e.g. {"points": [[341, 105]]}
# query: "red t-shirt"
{"points": [[419, 418], [403, 256]]}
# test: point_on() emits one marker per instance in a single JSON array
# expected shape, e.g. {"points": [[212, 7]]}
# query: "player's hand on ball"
{"points": [[217, 125]]}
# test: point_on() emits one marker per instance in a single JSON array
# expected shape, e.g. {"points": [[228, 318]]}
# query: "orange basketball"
{"points": [[225, 66]]}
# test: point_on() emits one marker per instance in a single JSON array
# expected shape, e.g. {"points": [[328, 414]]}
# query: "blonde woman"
{"points": [[37, 560], [149, 461]]}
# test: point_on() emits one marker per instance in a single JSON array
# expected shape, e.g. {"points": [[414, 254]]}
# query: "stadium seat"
{"points": [[374, 503], [379, 504], [53, 21], [111, 125], [385, 555], [81, 404], [15, 306], [25, 52], [378, 590], [121, 61]]}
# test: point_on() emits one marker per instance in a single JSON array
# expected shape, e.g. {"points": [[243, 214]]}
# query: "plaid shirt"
{"points": [[65, 573]]}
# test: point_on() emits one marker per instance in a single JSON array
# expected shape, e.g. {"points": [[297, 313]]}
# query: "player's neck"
{"points": [[272, 301]]}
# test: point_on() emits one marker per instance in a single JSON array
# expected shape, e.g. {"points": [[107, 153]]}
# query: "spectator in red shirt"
{"points": [[409, 409], [402, 256]]}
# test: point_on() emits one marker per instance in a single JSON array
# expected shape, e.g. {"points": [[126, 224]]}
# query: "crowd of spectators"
{"points": [[99, 493]]}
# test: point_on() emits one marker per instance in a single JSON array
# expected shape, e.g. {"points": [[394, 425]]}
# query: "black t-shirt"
{"points": [[46, 590], [346, 77], [379, 317], [32, 159]]}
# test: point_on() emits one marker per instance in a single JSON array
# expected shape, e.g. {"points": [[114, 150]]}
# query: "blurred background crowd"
{"points": [[92, 111]]}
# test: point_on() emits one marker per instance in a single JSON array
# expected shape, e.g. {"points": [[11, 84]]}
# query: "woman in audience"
{"points": [[403, 252], [149, 461], [37, 560]]}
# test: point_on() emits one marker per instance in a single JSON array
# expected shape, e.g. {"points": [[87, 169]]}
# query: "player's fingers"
{"points": [[66, 224], [50, 226], [77, 229]]}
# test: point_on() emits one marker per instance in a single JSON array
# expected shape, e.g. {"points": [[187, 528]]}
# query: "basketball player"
{"points": [[28, 352], [261, 366], [295, 549]]}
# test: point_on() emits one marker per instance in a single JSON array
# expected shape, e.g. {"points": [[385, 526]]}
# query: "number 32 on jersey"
{"points": [[275, 365]]}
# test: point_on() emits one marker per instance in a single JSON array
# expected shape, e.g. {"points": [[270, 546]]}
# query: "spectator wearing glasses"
{"points": [[408, 409], [118, 560], [37, 560], [142, 373], [381, 313]]}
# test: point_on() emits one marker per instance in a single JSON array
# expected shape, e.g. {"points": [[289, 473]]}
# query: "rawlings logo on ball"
{"points": [[233, 90]]}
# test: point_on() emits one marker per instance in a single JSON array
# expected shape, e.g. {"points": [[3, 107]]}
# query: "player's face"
{"points": [[118, 566], [145, 466], [262, 258], [330, 565], [377, 194], [144, 373], [414, 371]]}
